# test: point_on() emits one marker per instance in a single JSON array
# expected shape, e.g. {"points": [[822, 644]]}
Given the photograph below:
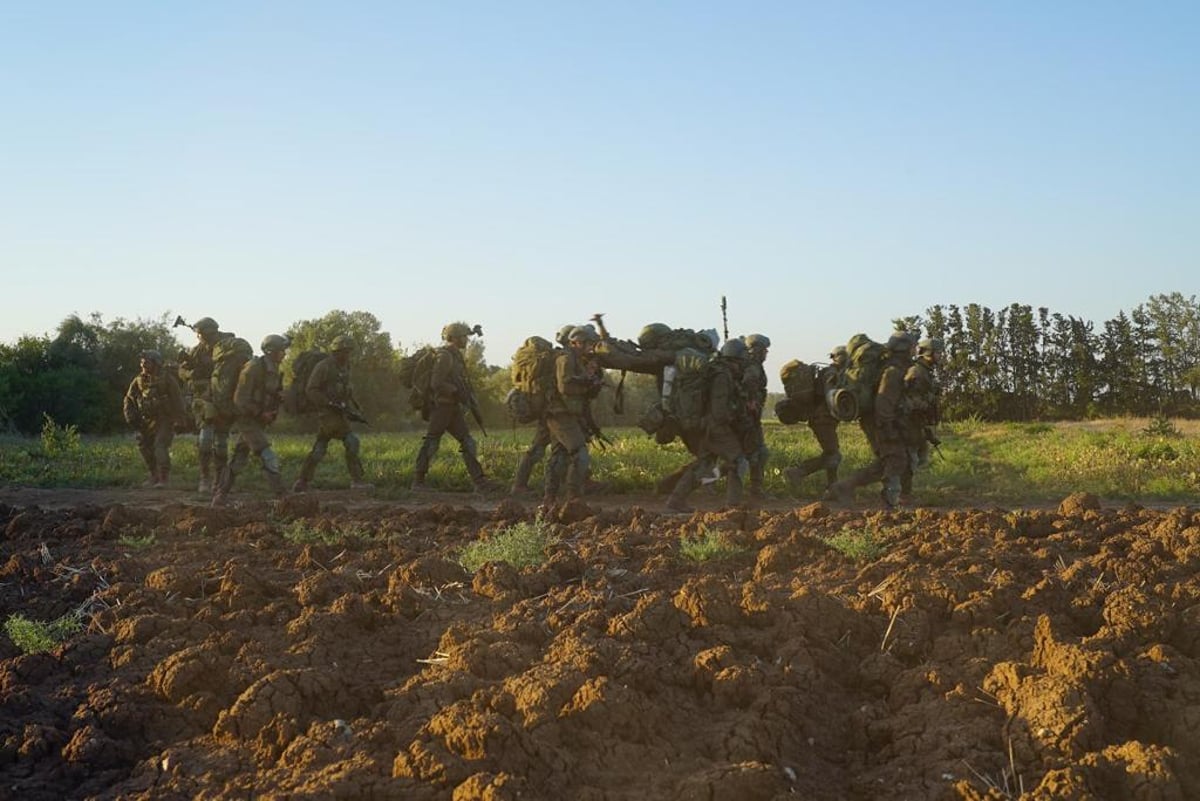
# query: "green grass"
{"points": [[35, 636], [706, 545], [980, 463], [137, 543], [865, 544], [304, 532], [521, 545]]}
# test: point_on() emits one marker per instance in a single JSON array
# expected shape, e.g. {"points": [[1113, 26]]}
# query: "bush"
{"points": [[859, 544], [35, 636], [706, 545], [58, 440], [520, 545]]}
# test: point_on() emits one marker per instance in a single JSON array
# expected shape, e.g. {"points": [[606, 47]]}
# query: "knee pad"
{"points": [[206, 439], [351, 443], [468, 446], [270, 460]]}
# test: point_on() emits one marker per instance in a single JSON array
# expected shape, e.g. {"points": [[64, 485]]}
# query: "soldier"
{"points": [[541, 435], [328, 391], [719, 442], [450, 390], [921, 393], [153, 405], [823, 425], [754, 380], [884, 427], [212, 433], [577, 379], [257, 399]]}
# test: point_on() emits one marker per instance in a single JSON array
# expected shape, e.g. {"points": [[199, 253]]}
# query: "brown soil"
{"points": [[1040, 653]]}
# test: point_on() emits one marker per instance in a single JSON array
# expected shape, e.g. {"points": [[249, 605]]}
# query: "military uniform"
{"points": [[448, 388], [212, 429], [152, 406], [823, 426], [719, 443], [328, 391], [257, 399], [922, 395], [576, 378], [754, 384]]}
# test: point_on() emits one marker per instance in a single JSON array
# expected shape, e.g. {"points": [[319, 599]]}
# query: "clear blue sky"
{"points": [[827, 166]]}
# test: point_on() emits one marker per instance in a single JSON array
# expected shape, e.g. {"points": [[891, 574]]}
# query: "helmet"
{"points": [[733, 349], [900, 341], [930, 345], [205, 325], [583, 333], [757, 341], [839, 354], [274, 343], [564, 334], [341, 342], [453, 330], [152, 356]]}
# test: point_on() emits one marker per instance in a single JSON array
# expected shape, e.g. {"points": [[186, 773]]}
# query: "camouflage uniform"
{"points": [[884, 428], [257, 399], [823, 425], [152, 406], [328, 391], [720, 442], [541, 434], [212, 429], [576, 379], [922, 394], [449, 388], [754, 383]]}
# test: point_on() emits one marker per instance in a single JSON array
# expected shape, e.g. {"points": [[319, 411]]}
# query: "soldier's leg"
{"points": [[466, 445], [164, 435], [220, 447], [260, 446], [440, 418], [677, 501], [241, 457], [757, 460], [353, 461], [309, 468], [556, 471], [532, 455], [204, 455]]}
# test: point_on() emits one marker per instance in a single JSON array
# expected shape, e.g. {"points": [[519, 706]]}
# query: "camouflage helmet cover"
{"points": [[733, 349], [341, 342], [453, 330], [152, 355], [564, 334], [930, 345], [274, 343], [839, 353], [757, 341], [205, 325], [900, 341], [583, 333]]}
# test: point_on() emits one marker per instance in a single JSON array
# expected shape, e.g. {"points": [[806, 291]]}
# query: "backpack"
{"points": [[534, 379], [687, 402], [295, 397], [229, 357], [801, 386], [860, 379], [659, 336], [415, 372]]}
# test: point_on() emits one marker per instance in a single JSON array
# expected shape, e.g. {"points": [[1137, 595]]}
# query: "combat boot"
{"points": [[275, 482], [164, 476], [733, 490], [838, 492], [299, 486]]}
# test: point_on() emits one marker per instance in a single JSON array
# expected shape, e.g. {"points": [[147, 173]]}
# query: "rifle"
{"points": [[724, 318], [598, 319], [594, 434], [933, 440], [180, 321], [472, 402], [353, 415], [619, 394]]}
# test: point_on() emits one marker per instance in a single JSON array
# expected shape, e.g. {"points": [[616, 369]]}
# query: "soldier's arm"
{"points": [[720, 399], [442, 382], [314, 390], [243, 394], [129, 406], [887, 401]]}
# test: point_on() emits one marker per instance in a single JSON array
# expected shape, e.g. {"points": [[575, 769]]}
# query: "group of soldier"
{"points": [[725, 441]]}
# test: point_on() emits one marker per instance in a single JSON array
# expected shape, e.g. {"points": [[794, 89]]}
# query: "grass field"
{"points": [[979, 462]]}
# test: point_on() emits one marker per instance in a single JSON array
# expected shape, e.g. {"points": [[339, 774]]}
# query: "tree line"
{"points": [[1015, 363]]}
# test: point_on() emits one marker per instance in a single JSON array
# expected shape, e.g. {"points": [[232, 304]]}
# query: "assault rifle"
{"points": [[351, 414], [592, 429], [472, 402], [180, 321]]}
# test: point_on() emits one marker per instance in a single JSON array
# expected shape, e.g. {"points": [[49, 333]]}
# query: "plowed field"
{"points": [[1047, 653]]}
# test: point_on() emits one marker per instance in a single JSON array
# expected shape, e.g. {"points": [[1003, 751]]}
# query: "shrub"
{"points": [[521, 545], [708, 544], [859, 544], [35, 636], [58, 440]]}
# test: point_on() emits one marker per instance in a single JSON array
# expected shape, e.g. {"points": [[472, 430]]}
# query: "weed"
{"points": [[708, 544], [137, 543], [303, 532], [858, 544], [1161, 426], [58, 440], [521, 545], [35, 636]]}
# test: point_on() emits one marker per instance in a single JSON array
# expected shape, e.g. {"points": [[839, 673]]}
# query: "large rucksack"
{"points": [[295, 397], [864, 366], [802, 389], [659, 336], [687, 402], [534, 379], [229, 356], [415, 372]]}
